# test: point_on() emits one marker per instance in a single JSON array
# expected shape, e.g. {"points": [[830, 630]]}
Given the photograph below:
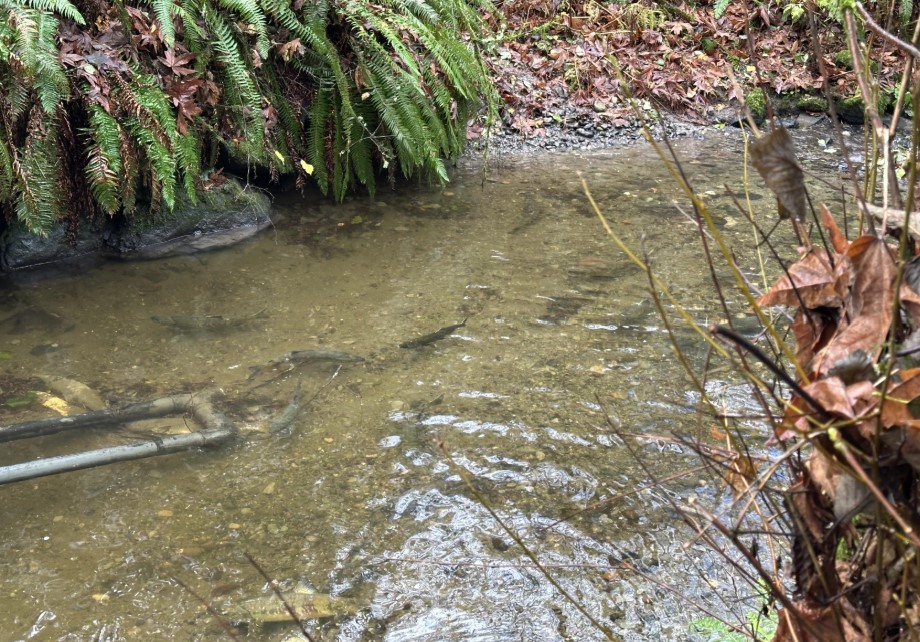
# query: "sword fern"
{"points": [[339, 88]]}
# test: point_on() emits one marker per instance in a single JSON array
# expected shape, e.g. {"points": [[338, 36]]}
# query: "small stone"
{"points": [[58, 518], [600, 106], [500, 545], [233, 526], [268, 490], [165, 513], [246, 511]]}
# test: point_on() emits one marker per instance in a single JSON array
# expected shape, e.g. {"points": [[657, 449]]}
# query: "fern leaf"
{"points": [[163, 10], [62, 7], [252, 13]]}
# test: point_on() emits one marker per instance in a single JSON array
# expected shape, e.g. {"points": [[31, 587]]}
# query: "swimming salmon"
{"points": [[437, 335], [306, 604]]}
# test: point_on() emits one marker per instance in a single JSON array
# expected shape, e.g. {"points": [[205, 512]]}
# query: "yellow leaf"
{"points": [[56, 404], [279, 155], [307, 167]]}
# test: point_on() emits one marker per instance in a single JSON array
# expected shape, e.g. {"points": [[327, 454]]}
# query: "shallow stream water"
{"points": [[365, 499]]}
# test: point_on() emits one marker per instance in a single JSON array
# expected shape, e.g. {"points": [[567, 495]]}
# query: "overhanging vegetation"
{"points": [[106, 105]]}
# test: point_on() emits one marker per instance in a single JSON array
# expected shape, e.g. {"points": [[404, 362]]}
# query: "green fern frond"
{"points": [[360, 158], [188, 155], [161, 161], [62, 7], [193, 35], [244, 101], [33, 46], [163, 10], [131, 173], [103, 181], [313, 33], [7, 165], [252, 13], [39, 204], [50, 81], [339, 156], [316, 142], [104, 165]]}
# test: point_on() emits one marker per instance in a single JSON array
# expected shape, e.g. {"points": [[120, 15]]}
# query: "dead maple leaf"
{"points": [[178, 63], [812, 332], [867, 317], [895, 411], [812, 282], [773, 156]]}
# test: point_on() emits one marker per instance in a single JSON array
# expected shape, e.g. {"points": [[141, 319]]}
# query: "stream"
{"points": [[381, 493]]}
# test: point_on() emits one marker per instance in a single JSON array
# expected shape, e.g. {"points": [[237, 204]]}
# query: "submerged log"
{"points": [[172, 405]]}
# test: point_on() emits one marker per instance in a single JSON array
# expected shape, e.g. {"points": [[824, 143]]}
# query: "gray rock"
{"points": [[22, 250], [223, 216]]}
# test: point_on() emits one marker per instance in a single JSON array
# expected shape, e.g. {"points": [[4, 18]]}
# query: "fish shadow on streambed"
{"points": [[34, 319], [296, 360], [209, 323]]}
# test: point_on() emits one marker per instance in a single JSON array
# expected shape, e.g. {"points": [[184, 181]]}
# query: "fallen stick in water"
{"points": [[217, 429]]}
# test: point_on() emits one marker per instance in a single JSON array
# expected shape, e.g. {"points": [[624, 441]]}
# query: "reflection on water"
{"points": [[366, 499]]}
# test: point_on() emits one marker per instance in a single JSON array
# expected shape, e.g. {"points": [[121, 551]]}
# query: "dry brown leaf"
{"points": [[740, 473], [818, 285], [822, 625], [812, 332], [831, 393], [894, 410], [838, 240], [774, 158], [869, 304], [824, 473], [910, 301], [910, 447], [716, 433]]}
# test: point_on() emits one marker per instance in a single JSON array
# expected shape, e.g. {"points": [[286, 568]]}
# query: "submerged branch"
{"points": [[217, 429]]}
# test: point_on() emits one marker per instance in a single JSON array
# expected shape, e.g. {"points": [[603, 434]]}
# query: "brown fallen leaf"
{"points": [[894, 410], [837, 238], [812, 282], [773, 156], [868, 307], [812, 331]]}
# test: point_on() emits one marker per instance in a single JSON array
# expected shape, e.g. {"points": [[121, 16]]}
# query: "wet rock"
{"points": [[223, 216], [499, 544], [804, 121], [44, 348], [726, 116], [58, 250]]}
